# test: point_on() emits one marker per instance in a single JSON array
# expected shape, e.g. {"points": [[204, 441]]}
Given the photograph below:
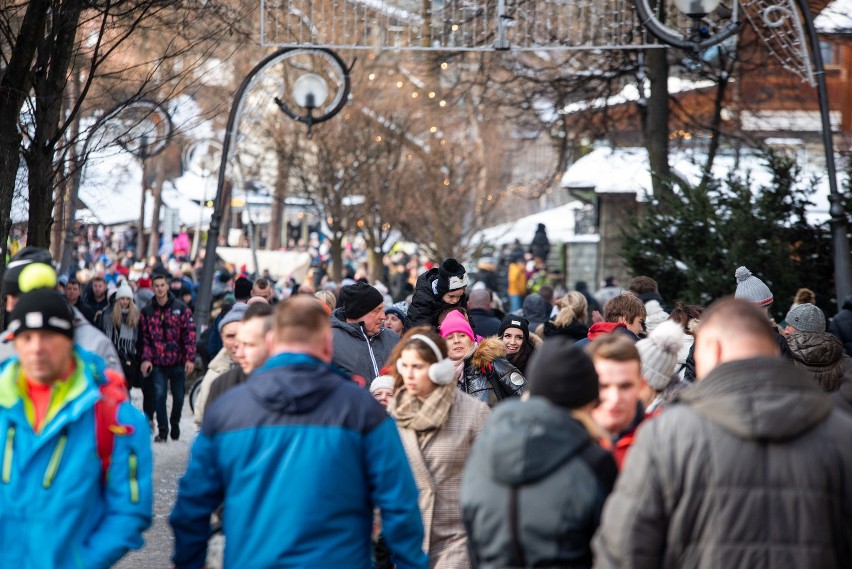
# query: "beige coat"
{"points": [[217, 366], [437, 470]]}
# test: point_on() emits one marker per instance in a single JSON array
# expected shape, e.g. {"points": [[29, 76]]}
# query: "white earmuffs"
{"points": [[440, 373]]}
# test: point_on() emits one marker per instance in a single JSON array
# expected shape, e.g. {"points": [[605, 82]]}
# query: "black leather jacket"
{"points": [[488, 376]]}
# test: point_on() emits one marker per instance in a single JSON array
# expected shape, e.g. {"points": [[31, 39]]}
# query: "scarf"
{"points": [[424, 417]]}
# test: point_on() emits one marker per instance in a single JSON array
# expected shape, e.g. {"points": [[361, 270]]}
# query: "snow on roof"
{"points": [[835, 19], [559, 222], [626, 170], [630, 93]]}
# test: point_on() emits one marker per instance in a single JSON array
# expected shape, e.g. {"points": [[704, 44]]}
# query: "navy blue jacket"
{"points": [[300, 455]]}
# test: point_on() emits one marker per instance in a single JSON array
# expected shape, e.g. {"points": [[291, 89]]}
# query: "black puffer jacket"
{"points": [[752, 470], [821, 356], [562, 479], [841, 325], [488, 375], [425, 306]]}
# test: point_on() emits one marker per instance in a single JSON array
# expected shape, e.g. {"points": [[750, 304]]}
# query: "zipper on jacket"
{"points": [[132, 463], [7, 454], [370, 349], [55, 459]]}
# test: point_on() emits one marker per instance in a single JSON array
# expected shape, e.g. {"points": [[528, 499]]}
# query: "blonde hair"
{"points": [[132, 315], [574, 306], [328, 298]]}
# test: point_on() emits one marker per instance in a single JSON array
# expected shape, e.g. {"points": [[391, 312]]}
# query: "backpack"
{"points": [[107, 427]]}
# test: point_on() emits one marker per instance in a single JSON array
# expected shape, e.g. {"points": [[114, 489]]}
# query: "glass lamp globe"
{"points": [[310, 91]]}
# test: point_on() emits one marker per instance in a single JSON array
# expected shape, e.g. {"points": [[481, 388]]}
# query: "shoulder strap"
{"points": [[517, 549], [113, 394]]}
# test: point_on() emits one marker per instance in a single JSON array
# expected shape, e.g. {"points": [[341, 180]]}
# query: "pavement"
{"points": [[170, 461]]}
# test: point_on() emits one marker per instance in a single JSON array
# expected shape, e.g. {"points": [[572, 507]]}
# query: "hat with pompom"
{"points": [[658, 354], [451, 276], [752, 289]]}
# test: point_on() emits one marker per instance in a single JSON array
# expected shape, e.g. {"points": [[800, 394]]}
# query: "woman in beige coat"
{"points": [[438, 425]]}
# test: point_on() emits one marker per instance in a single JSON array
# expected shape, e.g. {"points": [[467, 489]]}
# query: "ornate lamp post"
{"points": [[783, 25], [309, 93]]}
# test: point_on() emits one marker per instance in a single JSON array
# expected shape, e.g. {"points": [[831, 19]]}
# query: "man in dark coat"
{"points": [[536, 455], [479, 309], [540, 246], [841, 325], [751, 470]]}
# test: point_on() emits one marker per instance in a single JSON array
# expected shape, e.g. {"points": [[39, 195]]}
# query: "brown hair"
{"points": [[300, 320], [805, 296], [642, 285], [260, 310], [422, 349], [684, 314], [617, 347], [626, 305]]}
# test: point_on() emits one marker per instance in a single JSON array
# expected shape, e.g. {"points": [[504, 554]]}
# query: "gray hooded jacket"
{"points": [[562, 479], [753, 469], [357, 353]]}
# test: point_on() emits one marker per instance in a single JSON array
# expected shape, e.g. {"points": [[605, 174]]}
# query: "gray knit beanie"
{"points": [[806, 318], [752, 289], [235, 314], [658, 353]]}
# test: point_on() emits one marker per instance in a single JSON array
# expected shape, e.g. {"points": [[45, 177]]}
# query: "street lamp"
{"points": [[310, 91], [774, 18]]}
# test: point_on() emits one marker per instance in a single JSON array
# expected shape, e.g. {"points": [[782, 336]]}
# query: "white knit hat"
{"points": [[752, 289], [381, 382], [658, 353], [124, 291]]}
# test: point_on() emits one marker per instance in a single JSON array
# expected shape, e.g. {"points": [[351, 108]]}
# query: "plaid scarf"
{"points": [[427, 416]]}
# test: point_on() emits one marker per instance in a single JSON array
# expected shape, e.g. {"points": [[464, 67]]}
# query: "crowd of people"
{"points": [[350, 425]]}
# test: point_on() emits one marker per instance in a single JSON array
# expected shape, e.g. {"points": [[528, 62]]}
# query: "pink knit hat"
{"points": [[455, 322]]}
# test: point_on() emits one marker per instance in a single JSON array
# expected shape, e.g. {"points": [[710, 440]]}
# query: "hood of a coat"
{"points": [[488, 350], [821, 355], [536, 310], [602, 328], [527, 440], [763, 398], [338, 320], [818, 349], [575, 330], [308, 383]]}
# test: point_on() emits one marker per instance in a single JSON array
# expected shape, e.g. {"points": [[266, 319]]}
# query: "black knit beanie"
{"points": [[512, 321], [451, 276], [358, 299], [563, 374], [42, 309]]}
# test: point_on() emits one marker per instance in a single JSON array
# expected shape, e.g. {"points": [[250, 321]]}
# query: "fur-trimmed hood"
{"points": [[488, 350]]}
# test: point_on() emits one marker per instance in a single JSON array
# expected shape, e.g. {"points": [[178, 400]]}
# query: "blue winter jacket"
{"points": [[300, 456], [55, 513]]}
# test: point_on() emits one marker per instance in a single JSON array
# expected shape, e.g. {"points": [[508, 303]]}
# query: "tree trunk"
{"points": [[657, 121], [336, 257], [41, 183], [157, 191], [375, 258], [277, 214]]}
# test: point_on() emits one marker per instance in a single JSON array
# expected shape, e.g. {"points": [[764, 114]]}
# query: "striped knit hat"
{"points": [[752, 289]]}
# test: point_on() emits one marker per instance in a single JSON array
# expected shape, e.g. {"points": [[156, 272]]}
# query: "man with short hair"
{"points": [[97, 301], [623, 314], [620, 382], [263, 289], [254, 345], [482, 317], [751, 469], [300, 447], [168, 352], [74, 299], [361, 342], [59, 505]]}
